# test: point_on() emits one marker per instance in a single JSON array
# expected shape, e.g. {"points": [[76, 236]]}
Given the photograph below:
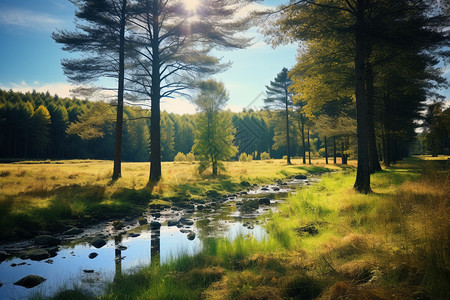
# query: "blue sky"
{"points": [[30, 59]]}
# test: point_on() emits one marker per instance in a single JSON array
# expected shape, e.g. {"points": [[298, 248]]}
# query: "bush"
{"points": [[265, 156], [245, 157], [180, 157], [190, 157]]}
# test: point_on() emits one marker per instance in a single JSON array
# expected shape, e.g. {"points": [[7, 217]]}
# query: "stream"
{"points": [[77, 263]]}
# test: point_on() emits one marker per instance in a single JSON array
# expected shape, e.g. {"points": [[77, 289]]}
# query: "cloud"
{"points": [[28, 19], [178, 106], [60, 88]]}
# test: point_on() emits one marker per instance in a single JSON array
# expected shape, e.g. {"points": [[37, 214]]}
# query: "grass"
{"points": [[325, 242], [49, 196], [391, 244]]}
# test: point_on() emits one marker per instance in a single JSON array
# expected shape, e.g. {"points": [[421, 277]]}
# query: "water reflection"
{"points": [[155, 245], [118, 256]]}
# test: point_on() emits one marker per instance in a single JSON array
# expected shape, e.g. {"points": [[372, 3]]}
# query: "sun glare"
{"points": [[191, 4]]}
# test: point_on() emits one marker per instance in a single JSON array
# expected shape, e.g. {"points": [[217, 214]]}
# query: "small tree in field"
{"points": [[215, 131]]}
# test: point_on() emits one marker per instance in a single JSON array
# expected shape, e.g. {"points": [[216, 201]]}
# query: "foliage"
{"points": [[180, 157], [214, 135], [279, 98], [265, 156], [245, 157]]}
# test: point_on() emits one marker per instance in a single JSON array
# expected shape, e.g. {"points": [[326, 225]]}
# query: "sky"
{"points": [[30, 59]]}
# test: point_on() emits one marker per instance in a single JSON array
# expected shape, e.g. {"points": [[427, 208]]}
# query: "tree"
{"points": [[102, 38], [357, 28], [41, 120], [279, 97], [172, 47], [215, 131]]}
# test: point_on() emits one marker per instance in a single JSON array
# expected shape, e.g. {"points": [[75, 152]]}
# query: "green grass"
{"points": [[396, 237], [38, 196]]}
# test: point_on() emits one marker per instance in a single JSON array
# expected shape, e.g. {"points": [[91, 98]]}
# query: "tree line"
{"points": [[41, 126]]}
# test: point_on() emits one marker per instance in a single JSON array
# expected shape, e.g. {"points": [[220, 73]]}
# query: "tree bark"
{"points": [[326, 151], [155, 128], [362, 182], [287, 132], [302, 120], [309, 150], [334, 150], [374, 164], [117, 172]]}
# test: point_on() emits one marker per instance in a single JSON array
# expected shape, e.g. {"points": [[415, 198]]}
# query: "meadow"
{"points": [[50, 196], [325, 242]]}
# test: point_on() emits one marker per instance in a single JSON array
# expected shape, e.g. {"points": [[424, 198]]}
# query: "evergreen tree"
{"points": [[215, 131], [279, 98]]}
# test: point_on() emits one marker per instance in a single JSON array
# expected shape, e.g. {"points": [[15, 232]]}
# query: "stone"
{"points": [[244, 193], [276, 189], [133, 235], [264, 201], [98, 242], [38, 254], [88, 271], [186, 222], [185, 230], [3, 255], [53, 251], [264, 189], [172, 223], [46, 240], [191, 236], [93, 255], [310, 229], [74, 231], [1, 284], [49, 261], [30, 281], [300, 177], [143, 221], [200, 207], [117, 225], [245, 183]]}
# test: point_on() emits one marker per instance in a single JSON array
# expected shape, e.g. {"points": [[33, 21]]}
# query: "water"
{"points": [[66, 269]]}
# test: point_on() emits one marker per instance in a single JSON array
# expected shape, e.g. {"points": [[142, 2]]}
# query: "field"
{"points": [[48, 196], [325, 241]]}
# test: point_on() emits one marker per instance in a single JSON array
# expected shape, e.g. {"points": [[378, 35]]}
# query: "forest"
{"points": [[40, 126]]}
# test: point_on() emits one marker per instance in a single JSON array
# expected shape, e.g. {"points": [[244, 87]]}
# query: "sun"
{"points": [[192, 4]]}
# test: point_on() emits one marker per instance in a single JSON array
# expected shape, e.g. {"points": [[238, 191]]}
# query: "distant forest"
{"points": [[41, 126]]}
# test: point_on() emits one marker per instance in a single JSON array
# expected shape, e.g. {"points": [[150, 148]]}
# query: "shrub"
{"points": [[190, 157], [180, 157], [265, 156], [245, 157]]}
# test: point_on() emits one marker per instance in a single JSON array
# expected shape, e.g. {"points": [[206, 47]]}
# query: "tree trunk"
{"points": [[326, 151], [374, 164], [362, 182], [117, 172], [303, 138], [214, 168], [309, 149], [334, 150], [287, 133], [155, 128]]}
